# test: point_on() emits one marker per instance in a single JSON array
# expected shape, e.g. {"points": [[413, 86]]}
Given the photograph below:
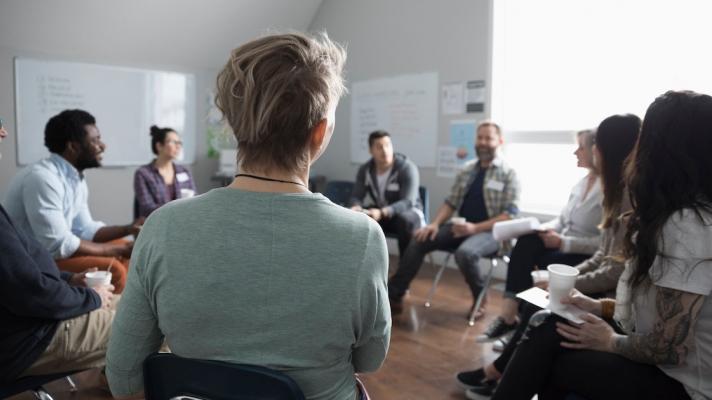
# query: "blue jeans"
{"points": [[467, 253]]}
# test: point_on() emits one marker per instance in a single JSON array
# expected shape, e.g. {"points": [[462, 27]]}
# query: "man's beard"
{"points": [[485, 154], [87, 160]]}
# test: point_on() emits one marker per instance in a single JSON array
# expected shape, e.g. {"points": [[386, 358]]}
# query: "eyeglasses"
{"points": [[175, 142]]}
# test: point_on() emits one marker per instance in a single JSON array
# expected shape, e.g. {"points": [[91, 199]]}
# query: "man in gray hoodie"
{"points": [[387, 190]]}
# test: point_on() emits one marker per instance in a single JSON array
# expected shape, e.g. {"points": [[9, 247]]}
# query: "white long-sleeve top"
{"points": [[579, 220]]}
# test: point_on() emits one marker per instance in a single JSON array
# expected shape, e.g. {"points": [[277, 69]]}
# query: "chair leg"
{"points": [[72, 385], [436, 280], [483, 293], [41, 394]]}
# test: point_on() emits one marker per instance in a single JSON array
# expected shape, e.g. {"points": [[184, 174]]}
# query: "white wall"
{"points": [[388, 38], [384, 38], [174, 35]]}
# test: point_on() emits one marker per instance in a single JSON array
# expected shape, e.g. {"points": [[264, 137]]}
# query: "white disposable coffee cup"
{"points": [[561, 280], [540, 275], [98, 278], [458, 220]]}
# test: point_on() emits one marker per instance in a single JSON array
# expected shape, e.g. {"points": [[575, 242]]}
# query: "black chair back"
{"points": [[167, 376], [339, 192]]}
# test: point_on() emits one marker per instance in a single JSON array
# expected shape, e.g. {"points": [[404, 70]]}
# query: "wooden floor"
{"points": [[428, 347]]}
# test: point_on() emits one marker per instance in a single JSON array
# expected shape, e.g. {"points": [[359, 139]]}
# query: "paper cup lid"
{"points": [[561, 269]]}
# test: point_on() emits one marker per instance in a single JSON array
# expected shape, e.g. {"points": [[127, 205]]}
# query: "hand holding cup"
{"points": [[98, 278]]}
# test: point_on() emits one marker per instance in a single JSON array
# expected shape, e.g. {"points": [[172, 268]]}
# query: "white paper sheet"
{"points": [[453, 98], [507, 230], [475, 96], [539, 297]]}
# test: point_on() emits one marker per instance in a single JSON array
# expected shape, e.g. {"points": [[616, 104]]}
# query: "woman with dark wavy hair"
{"points": [[659, 341]]}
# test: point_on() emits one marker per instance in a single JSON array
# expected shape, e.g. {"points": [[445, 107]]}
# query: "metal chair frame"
{"points": [[480, 297], [35, 384]]}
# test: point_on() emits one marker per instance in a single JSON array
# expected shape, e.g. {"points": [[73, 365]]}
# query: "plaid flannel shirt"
{"points": [[150, 189], [496, 201]]}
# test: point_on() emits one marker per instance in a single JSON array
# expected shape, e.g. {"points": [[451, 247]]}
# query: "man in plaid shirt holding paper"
{"points": [[486, 191]]}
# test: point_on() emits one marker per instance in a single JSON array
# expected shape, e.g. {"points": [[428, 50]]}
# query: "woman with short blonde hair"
{"points": [[263, 272], [274, 92]]}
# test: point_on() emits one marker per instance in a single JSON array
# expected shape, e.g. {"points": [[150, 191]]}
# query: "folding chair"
{"points": [[494, 260]]}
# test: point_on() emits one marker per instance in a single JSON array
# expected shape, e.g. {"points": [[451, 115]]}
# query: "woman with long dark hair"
{"points": [[660, 343]]}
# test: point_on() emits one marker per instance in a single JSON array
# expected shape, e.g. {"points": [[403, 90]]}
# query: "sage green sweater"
{"points": [[287, 281]]}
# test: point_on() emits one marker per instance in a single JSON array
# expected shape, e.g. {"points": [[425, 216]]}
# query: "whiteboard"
{"points": [[405, 106], [124, 101]]}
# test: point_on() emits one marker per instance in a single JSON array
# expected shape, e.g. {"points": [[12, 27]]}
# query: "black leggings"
{"points": [[540, 365], [528, 252], [527, 310]]}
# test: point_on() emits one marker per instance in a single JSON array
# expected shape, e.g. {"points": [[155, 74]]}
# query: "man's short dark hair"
{"points": [[67, 126], [375, 135]]}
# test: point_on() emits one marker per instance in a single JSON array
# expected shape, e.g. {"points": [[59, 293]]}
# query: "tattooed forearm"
{"points": [[668, 342]]}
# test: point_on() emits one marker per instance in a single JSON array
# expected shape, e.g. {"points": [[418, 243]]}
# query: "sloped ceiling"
{"points": [[190, 33]]}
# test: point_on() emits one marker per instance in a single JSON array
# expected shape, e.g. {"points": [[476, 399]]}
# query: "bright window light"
{"points": [[565, 65], [547, 179]]}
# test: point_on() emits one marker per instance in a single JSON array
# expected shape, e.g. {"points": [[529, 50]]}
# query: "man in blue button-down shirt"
{"points": [[49, 200]]}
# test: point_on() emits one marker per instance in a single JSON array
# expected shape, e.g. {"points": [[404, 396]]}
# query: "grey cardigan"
{"points": [[600, 273]]}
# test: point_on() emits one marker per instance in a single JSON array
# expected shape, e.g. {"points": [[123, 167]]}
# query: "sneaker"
{"points": [[497, 328], [474, 379], [502, 342], [482, 393]]}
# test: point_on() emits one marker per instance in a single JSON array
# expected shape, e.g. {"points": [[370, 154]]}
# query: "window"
{"points": [[546, 173], [559, 66]]}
